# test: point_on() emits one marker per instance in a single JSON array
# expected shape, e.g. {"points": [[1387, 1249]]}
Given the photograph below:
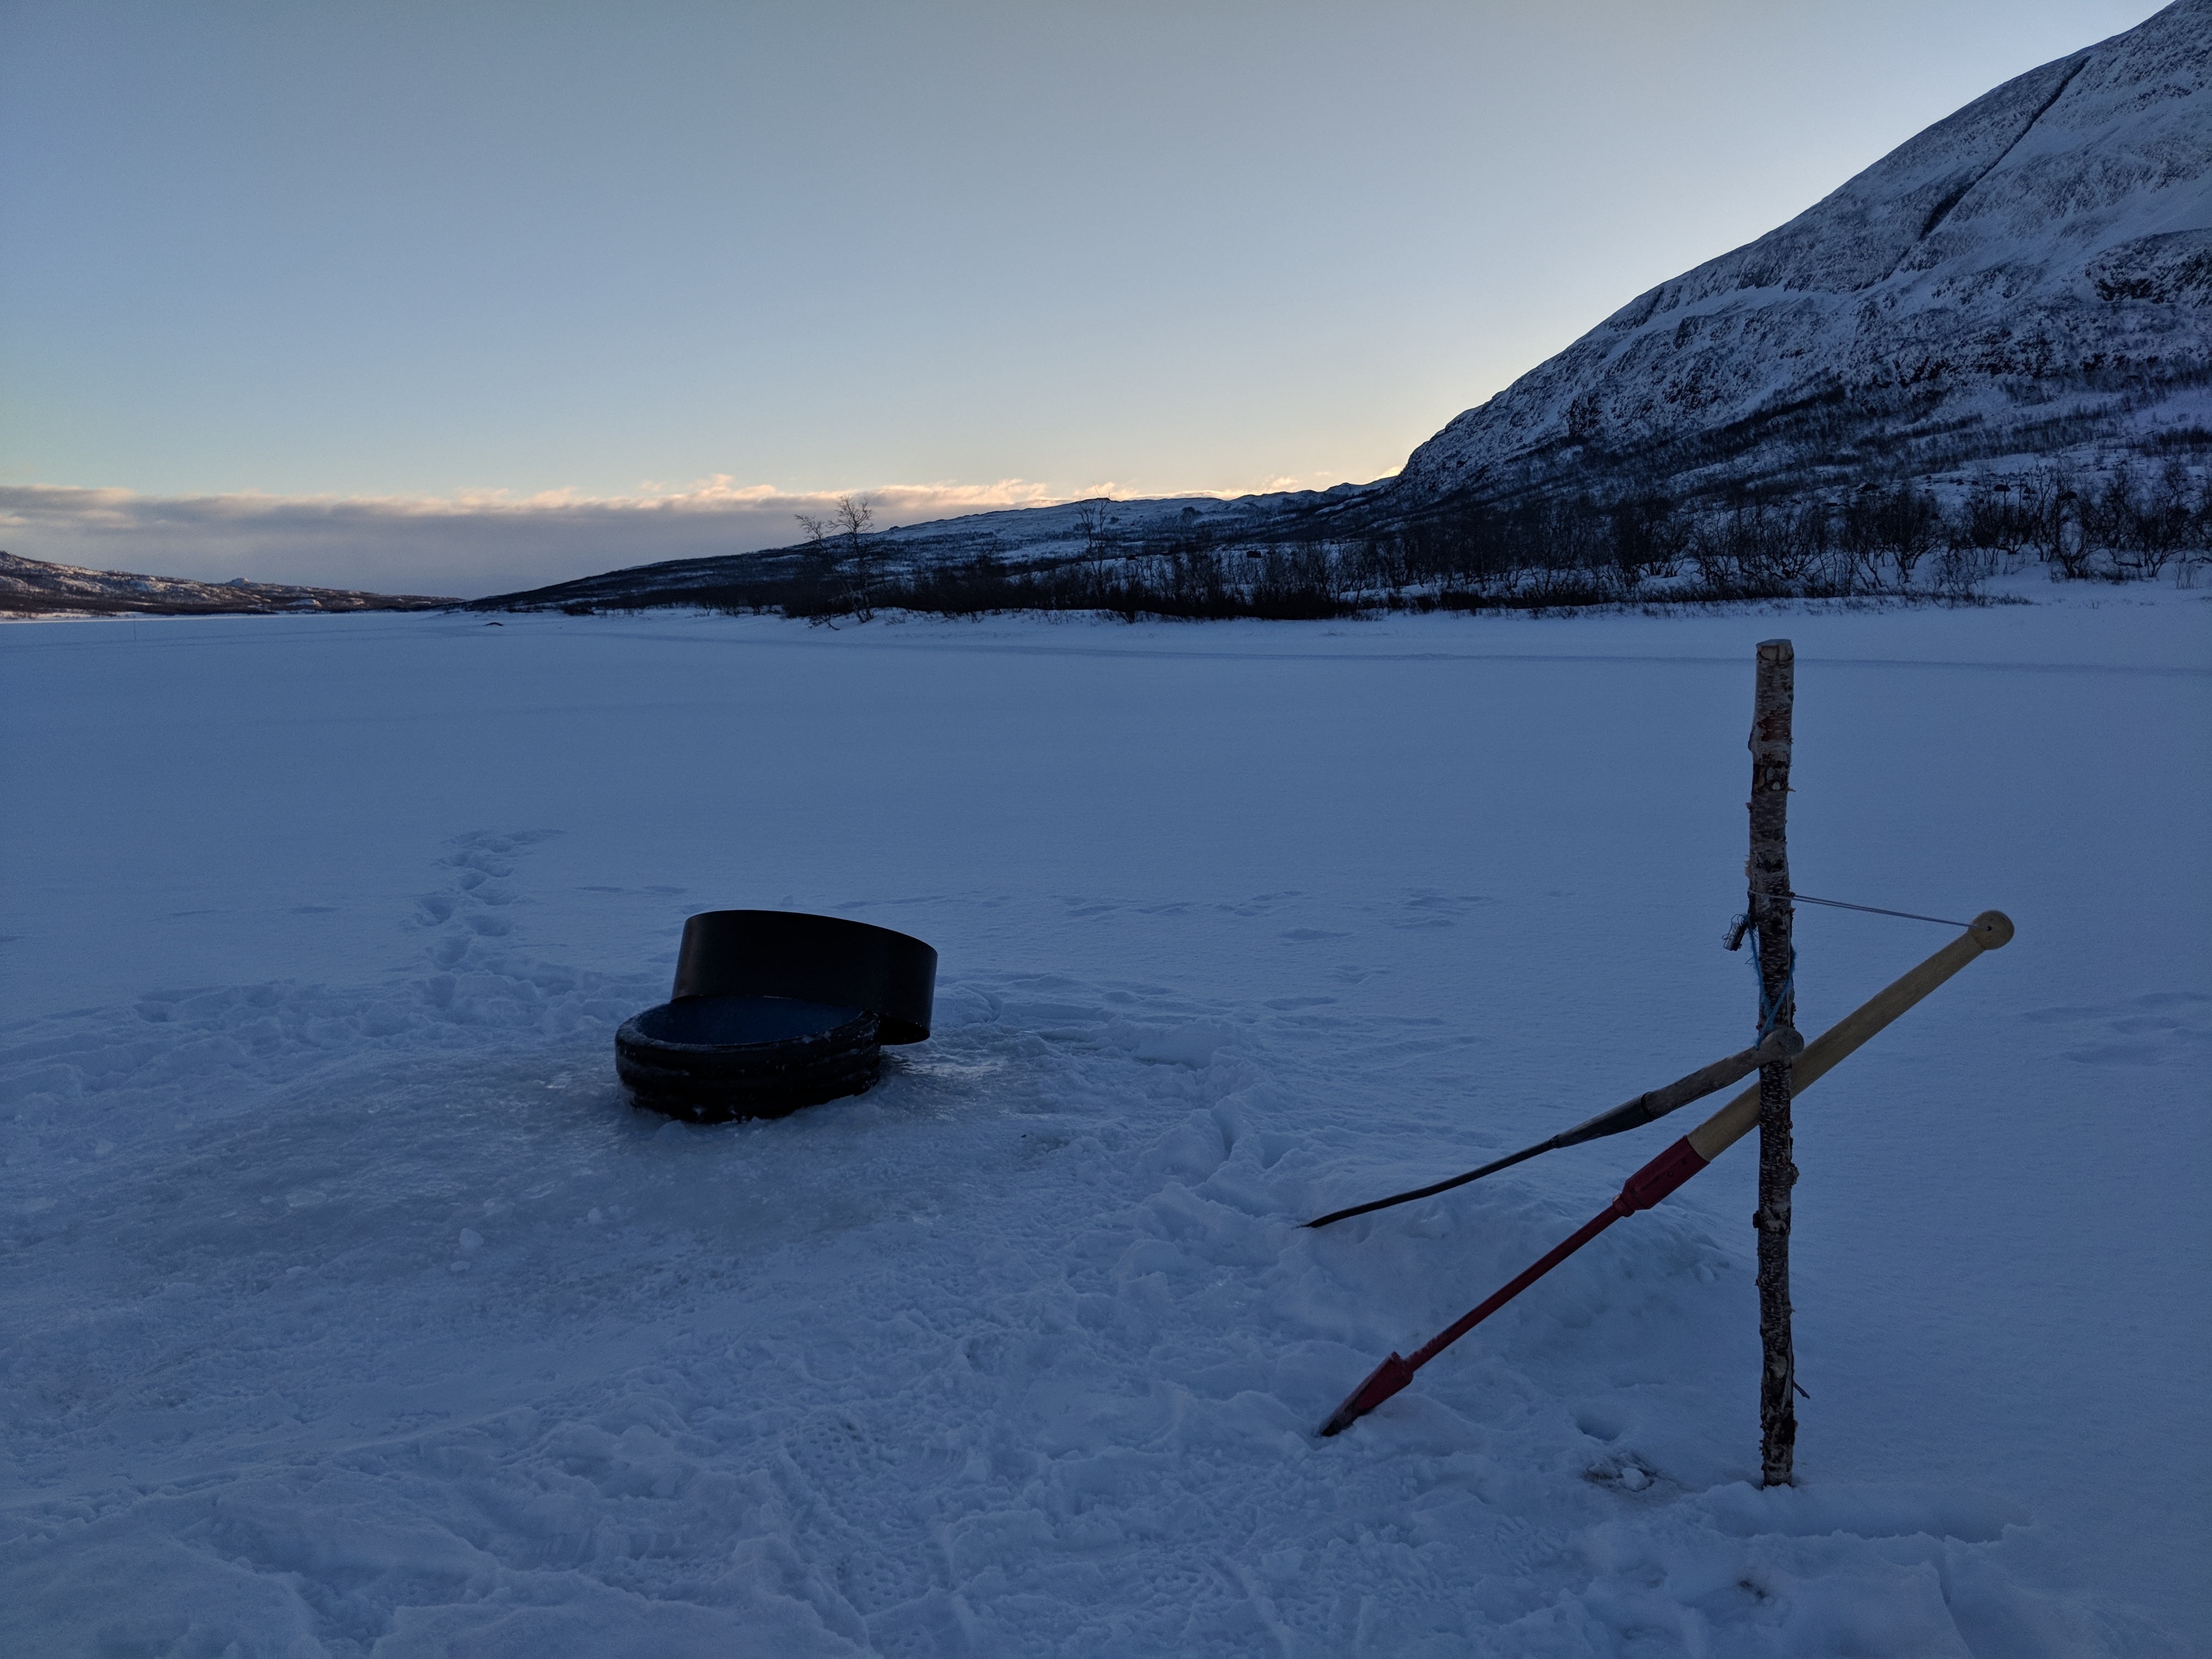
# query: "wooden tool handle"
{"points": [[1780, 1044], [1989, 930]]}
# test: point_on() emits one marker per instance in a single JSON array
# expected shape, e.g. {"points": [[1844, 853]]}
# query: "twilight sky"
{"points": [[375, 294]]}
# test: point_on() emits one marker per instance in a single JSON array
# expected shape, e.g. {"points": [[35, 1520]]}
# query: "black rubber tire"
{"points": [[828, 1053]]}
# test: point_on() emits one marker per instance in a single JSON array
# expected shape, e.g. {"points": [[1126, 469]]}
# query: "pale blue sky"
{"points": [[423, 250]]}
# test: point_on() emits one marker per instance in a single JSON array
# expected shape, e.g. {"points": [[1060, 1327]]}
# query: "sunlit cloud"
{"points": [[472, 543], [476, 541]]}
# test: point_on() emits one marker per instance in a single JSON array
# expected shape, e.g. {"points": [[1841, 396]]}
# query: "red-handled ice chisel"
{"points": [[1692, 1152]]}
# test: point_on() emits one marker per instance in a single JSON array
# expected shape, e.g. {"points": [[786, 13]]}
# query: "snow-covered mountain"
{"points": [[31, 587], [2028, 280], [2030, 276]]}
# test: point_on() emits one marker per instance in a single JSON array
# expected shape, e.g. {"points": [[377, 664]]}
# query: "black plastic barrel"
{"points": [[773, 1010]]}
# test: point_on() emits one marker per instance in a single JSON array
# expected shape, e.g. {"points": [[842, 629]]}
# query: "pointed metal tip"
{"points": [[1385, 1380]]}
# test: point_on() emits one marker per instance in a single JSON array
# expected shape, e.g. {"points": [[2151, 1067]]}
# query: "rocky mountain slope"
{"points": [[2033, 275], [2029, 282], [31, 588]]}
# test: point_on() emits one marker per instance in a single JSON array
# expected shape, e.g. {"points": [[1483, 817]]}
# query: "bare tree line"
{"points": [[2130, 522]]}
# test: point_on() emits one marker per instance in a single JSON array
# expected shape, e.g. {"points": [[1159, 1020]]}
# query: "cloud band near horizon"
{"points": [[464, 546]]}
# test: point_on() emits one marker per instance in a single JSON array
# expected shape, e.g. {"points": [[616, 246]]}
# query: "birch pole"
{"points": [[1767, 871]]}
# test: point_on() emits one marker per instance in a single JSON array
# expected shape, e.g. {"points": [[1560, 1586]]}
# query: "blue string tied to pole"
{"points": [[1770, 1009]]}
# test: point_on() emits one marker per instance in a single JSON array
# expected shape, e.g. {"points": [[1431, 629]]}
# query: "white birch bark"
{"points": [[1767, 871]]}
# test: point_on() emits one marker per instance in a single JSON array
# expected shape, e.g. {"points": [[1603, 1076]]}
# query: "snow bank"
{"points": [[350, 1310]]}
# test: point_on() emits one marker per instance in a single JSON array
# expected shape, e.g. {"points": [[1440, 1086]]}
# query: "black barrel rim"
{"points": [[828, 959]]}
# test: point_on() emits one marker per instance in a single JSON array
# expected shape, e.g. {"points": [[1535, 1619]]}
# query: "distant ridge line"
{"points": [[34, 588]]}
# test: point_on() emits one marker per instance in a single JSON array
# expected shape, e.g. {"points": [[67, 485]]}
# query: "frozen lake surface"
{"points": [[348, 1309]]}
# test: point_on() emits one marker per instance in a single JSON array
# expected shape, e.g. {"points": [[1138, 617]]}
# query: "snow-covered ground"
{"points": [[348, 1309]]}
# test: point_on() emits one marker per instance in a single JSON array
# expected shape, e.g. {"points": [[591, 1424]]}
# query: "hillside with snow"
{"points": [[2031, 276], [2025, 287], [35, 587]]}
